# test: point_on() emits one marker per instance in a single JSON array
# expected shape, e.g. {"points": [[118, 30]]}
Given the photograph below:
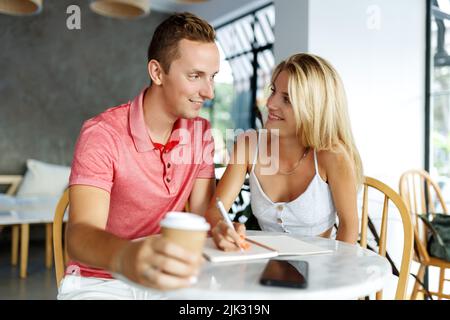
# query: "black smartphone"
{"points": [[285, 273]]}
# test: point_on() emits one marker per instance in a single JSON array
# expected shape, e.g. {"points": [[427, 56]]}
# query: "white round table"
{"points": [[350, 272]]}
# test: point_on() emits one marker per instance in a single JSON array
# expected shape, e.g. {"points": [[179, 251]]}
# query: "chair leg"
{"points": [[420, 275], [24, 239], [441, 283], [14, 245], [48, 245]]}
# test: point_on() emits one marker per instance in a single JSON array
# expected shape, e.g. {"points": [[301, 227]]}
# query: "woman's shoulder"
{"points": [[338, 165], [334, 158]]}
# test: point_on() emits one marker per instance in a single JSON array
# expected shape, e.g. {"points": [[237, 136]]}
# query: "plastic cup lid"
{"points": [[184, 221]]}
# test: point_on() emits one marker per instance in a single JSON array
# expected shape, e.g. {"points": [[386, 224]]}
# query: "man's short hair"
{"points": [[164, 44]]}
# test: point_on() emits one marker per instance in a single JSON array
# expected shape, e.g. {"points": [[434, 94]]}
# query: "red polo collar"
{"points": [[139, 132]]}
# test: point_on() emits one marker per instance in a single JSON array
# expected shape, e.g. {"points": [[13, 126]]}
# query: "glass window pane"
{"points": [[264, 62], [270, 13], [444, 6], [440, 100], [238, 38], [234, 46], [268, 54], [260, 38], [246, 38], [248, 29], [223, 43], [237, 70], [266, 27]]}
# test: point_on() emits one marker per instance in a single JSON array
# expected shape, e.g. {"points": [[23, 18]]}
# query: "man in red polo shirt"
{"points": [[135, 162]]}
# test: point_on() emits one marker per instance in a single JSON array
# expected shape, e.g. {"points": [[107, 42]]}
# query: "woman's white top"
{"points": [[311, 214]]}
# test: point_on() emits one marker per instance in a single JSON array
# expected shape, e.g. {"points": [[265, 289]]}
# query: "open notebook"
{"points": [[263, 247]]}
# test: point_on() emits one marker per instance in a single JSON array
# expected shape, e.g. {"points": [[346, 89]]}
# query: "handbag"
{"points": [[438, 235]]}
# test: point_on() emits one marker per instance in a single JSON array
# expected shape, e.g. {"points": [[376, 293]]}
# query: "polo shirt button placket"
{"points": [[168, 171], [168, 176], [167, 181]]}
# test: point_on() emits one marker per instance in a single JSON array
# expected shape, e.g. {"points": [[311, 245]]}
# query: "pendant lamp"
{"points": [[20, 7], [124, 9], [191, 1]]}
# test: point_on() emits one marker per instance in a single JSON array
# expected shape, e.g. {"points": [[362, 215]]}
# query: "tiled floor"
{"points": [[40, 282]]}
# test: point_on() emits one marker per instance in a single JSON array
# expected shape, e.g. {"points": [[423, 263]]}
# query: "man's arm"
{"points": [[201, 194], [153, 262], [88, 213]]}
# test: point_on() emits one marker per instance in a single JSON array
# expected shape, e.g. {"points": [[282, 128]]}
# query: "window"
{"points": [[439, 94], [246, 45]]}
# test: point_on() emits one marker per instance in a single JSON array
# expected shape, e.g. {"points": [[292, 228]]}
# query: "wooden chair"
{"points": [[13, 181], [60, 250], [389, 195], [421, 195]]}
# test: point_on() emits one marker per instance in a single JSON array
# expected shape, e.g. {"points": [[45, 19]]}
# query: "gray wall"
{"points": [[52, 78], [291, 28]]}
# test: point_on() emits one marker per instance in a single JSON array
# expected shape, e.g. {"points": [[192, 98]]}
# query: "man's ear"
{"points": [[155, 71]]}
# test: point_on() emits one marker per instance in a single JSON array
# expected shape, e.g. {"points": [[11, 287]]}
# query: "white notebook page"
{"points": [[286, 245]]}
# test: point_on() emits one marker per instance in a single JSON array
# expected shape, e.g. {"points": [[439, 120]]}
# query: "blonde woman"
{"points": [[318, 168]]}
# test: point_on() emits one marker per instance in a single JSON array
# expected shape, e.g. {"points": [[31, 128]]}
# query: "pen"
{"points": [[221, 208]]}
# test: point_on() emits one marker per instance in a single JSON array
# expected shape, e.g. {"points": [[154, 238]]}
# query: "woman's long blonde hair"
{"points": [[320, 106]]}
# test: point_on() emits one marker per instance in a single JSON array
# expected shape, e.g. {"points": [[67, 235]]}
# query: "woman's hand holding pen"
{"points": [[226, 238]]}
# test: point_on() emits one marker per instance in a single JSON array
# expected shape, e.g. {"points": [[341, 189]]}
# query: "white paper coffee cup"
{"points": [[185, 229]]}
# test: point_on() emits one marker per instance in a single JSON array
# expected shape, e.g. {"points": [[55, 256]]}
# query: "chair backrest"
{"points": [[58, 248], [389, 195], [421, 195], [13, 181]]}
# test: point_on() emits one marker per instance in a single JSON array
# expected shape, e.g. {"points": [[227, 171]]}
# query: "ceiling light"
{"points": [[125, 9], [20, 7]]}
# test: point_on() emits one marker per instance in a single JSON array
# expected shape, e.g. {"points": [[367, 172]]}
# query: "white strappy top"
{"points": [[311, 214]]}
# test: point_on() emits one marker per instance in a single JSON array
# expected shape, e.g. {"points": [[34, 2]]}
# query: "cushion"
{"points": [[43, 179]]}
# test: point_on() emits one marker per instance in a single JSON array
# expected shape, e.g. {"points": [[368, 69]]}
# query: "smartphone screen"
{"points": [[285, 273]]}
